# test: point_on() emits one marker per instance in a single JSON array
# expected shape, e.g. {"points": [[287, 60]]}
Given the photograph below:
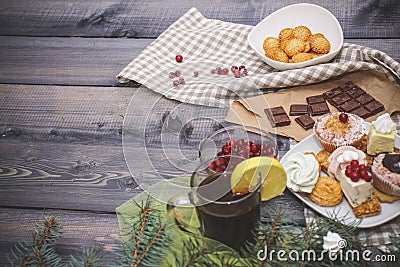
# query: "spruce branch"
{"points": [[89, 258], [40, 251]]}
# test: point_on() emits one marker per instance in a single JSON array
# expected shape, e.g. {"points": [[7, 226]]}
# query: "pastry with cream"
{"points": [[342, 157], [386, 173], [381, 136], [355, 182], [302, 172]]}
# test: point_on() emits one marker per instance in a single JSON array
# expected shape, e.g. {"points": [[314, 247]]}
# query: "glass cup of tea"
{"points": [[223, 216]]}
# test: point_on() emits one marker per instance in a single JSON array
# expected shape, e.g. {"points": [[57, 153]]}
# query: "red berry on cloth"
{"points": [[179, 58]]}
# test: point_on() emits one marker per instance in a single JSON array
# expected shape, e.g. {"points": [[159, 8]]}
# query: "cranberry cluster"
{"points": [[176, 74], [242, 149], [238, 72], [356, 171]]}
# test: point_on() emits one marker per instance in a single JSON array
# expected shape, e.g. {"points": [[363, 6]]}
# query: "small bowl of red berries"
{"points": [[239, 141]]}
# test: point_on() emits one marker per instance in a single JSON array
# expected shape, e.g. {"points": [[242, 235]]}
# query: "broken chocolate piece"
{"points": [[298, 109], [277, 116], [355, 92], [319, 109], [374, 107], [315, 99], [305, 121]]}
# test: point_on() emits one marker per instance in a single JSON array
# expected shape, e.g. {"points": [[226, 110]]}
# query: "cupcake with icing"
{"points": [[339, 129], [386, 173], [381, 136], [302, 172]]}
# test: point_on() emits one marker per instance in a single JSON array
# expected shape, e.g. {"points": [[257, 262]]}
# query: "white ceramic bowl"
{"points": [[316, 18]]}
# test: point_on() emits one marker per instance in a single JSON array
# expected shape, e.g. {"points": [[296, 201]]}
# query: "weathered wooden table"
{"points": [[62, 109]]}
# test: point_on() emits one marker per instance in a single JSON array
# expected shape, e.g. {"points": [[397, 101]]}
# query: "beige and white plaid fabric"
{"points": [[207, 43]]}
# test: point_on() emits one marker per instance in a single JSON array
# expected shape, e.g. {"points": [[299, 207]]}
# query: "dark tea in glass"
{"points": [[229, 218]]}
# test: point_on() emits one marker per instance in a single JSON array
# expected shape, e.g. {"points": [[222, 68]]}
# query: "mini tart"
{"points": [[327, 192], [385, 175], [332, 133]]}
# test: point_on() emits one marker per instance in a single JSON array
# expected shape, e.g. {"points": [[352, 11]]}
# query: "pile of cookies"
{"points": [[295, 45], [364, 171]]}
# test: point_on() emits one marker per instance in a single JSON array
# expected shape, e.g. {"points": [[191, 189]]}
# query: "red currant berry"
{"points": [[226, 149], [367, 178], [177, 73], [354, 176], [241, 67], [347, 172], [196, 74], [363, 173], [181, 80], [362, 167], [254, 148], [211, 165], [179, 58], [225, 71], [354, 163], [233, 68], [175, 83], [270, 151], [219, 162], [232, 143], [343, 117], [219, 70], [236, 73], [172, 75]]}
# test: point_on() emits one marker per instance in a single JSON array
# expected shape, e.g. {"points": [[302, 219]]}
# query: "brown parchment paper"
{"points": [[250, 111]]}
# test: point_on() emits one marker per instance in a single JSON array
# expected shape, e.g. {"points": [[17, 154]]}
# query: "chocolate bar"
{"points": [[277, 116], [298, 109], [305, 121], [348, 97]]}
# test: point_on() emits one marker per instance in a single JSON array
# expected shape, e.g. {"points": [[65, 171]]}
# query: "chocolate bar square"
{"points": [[374, 107], [277, 116], [315, 99], [319, 109], [298, 109], [362, 112], [349, 105], [332, 93], [280, 120], [347, 85], [305, 121], [364, 99], [355, 92], [340, 99]]}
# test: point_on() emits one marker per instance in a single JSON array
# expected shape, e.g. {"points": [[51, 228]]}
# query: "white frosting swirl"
{"points": [[384, 124], [302, 172], [347, 156], [331, 241]]}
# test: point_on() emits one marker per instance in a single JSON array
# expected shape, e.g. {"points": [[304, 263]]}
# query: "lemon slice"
{"points": [[247, 175]]}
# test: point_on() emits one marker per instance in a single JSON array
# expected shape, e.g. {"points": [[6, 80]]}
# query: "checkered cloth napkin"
{"points": [[206, 44]]}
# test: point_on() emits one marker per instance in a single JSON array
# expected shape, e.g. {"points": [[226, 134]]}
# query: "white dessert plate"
{"points": [[343, 210]]}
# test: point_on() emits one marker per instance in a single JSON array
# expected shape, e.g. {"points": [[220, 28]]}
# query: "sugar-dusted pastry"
{"points": [[341, 157], [327, 192], [370, 208], [381, 136], [339, 129], [302, 172], [386, 173], [356, 183]]}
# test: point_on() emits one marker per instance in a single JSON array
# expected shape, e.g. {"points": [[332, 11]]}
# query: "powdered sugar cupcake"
{"points": [[339, 129]]}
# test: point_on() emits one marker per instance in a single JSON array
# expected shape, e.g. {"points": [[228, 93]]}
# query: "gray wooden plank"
{"points": [[92, 61], [81, 230], [138, 19]]}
